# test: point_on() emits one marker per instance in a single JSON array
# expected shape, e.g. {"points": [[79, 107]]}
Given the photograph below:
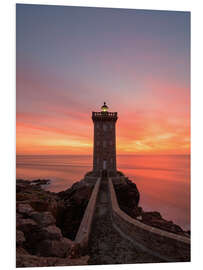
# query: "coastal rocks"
{"points": [[149, 216], [136, 212], [82, 195], [52, 232], [40, 182], [55, 248], [37, 198], [24, 209], [75, 190], [155, 219], [127, 194], [41, 217], [26, 225], [27, 260], [75, 202], [46, 203], [20, 238], [36, 238], [21, 185]]}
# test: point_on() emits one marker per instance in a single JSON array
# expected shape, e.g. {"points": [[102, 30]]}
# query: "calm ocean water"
{"points": [[163, 180]]}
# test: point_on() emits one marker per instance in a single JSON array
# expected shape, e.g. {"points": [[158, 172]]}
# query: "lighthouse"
{"points": [[104, 152]]}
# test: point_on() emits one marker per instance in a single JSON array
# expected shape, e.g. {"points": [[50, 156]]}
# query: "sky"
{"points": [[69, 60]]}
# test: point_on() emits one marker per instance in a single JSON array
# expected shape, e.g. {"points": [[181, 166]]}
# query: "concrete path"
{"points": [[106, 245]]}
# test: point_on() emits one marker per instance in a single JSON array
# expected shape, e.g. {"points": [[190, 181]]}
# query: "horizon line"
{"points": [[148, 154]]}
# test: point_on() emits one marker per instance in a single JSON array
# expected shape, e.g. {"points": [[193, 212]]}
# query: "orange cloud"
{"points": [[154, 120]]}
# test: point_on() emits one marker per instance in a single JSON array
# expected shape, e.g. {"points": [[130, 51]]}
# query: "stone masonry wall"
{"points": [[104, 144]]}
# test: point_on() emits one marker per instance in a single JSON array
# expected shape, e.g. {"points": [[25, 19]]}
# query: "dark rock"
{"points": [[35, 237], [27, 260], [24, 209], [155, 219], [48, 203], [21, 251], [82, 195], [26, 225], [120, 173], [51, 232], [128, 196], [20, 238], [18, 217], [75, 188], [41, 182], [39, 205], [43, 218], [55, 248], [75, 202], [90, 173], [147, 216], [137, 211]]}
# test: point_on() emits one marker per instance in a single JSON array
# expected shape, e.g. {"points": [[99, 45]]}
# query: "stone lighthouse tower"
{"points": [[104, 156]]}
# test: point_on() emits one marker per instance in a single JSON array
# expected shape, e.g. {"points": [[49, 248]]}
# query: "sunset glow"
{"points": [[136, 61]]}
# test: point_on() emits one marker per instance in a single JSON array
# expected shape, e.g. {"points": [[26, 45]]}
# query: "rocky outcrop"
{"points": [[46, 222], [75, 202], [54, 248], [20, 238], [24, 259], [156, 220], [127, 194]]}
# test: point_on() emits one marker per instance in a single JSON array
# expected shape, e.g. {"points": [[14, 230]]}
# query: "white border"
{"points": [[7, 141], [144, 4]]}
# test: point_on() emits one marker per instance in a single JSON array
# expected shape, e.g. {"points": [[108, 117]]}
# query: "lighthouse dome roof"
{"points": [[104, 108]]}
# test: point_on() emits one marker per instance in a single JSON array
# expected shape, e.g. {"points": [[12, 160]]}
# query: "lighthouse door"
{"points": [[104, 164]]}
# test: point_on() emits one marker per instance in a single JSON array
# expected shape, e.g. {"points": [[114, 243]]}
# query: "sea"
{"points": [[163, 180]]}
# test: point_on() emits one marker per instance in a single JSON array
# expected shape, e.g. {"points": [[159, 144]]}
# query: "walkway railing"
{"points": [[82, 237]]}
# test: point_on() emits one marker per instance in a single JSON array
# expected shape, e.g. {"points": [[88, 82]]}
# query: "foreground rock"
{"points": [[75, 202], [24, 259], [127, 194], [47, 222]]}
